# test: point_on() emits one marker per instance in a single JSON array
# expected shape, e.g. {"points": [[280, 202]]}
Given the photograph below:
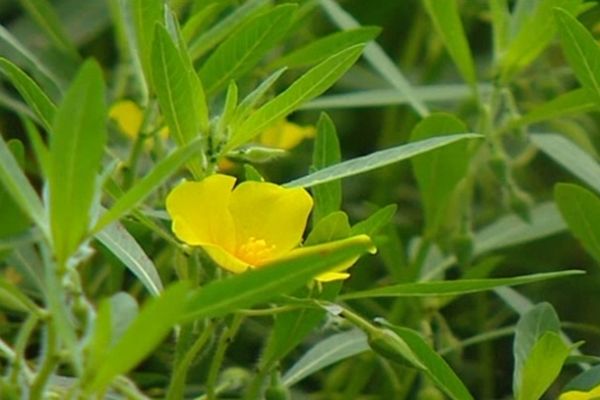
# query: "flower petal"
{"points": [[265, 211], [225, 259], [200, 214], [332, 276]]}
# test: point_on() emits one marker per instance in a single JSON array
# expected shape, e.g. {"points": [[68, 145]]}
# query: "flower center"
{"points": [[255, 251]]}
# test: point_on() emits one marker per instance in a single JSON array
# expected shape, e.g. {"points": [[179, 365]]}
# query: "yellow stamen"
{"points": [[255, 251]]}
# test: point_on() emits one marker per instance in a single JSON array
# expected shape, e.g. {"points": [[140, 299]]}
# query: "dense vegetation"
{"points": [[322, 199]]}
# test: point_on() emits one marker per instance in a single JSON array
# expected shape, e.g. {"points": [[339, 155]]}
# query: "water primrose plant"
{"points": [[166, 231]]}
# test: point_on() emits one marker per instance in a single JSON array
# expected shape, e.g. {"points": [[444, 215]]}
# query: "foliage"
{"points": [[118, 281]]}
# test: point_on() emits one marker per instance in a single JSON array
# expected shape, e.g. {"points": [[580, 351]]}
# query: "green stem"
{"points": [[177, 384], [48, 364], [20, 345], [215, 365]]}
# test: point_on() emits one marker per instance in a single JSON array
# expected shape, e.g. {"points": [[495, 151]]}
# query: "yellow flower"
{"points": [[593, 394], [247, 227], [285, 135], [129, 118]]}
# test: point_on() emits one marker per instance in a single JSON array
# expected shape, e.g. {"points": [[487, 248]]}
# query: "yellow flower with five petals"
{"points": [[248, 226]]}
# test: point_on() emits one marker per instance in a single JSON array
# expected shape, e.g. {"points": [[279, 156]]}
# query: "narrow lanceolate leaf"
{"points": [[311, 84], [435, 366], [42, 12], [463, 286], [574, 102], [326, 152], [150, 182], [438, 172], [141, 337], [511, 230], [41, 105], [76, 148], [329, 351], [534, 32], [446, 19], [377, 159], [178, 89], [569, 156], [582, 51], [581, 210], [283, 276], [120, 242], [203, 43], [377, 57], [46, 78], [146, 14], [15, 183], [245, 48], [318, 50]]}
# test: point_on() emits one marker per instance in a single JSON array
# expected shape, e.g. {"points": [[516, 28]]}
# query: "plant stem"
{"points": [[20, 345], [177, 384], [215, 366], [48, 364]]}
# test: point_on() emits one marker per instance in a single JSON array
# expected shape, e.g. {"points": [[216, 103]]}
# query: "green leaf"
{"points": [[12, 296], [48, 80], [582, 51], [15, 183], [570, 156], [585, 381], [512, 230], [325, 353], [535, 31], [499, 16], [376, 57], [200, 20], [318, 50], [251, 100], [283, 276], [120, 242], [462, 286], [150, 182], [291, 327], [574, 102], [311, 84], [375, 221], [435, 366], [42, 12], [446, 19], [443, 93], [146, 15], [150, 327], [42, 155], [328, 196], [531, 327], [179, 91], [332, 227], [76, 148], [41, 105], [243, 50], [581, 210], [225, 27], [542, 366], [377, 159], [14, 220], [438, 172]]}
